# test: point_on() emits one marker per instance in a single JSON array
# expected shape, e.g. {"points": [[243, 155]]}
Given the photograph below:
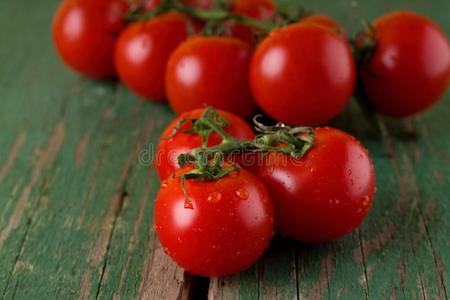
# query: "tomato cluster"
{"points": [[224, 190], [303, 72], [215, 222]]}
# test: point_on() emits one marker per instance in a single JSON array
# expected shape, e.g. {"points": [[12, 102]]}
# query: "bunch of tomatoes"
{"points": [[224, 188]]}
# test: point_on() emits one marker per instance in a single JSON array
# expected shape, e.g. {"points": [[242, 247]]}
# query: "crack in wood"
{"points": [[101, 245], [322, 285], [134, 240]]}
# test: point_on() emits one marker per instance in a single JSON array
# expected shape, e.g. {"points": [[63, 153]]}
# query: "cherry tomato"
{"points": [[409, 69], [324, 195], [227, 228], [262, 10], [210, 71], [302, 74], [85, 32], [172, 144], [143, 50], [325, 21]]}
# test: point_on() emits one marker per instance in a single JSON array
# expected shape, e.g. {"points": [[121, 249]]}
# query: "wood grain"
{"points": [[77, 202]]}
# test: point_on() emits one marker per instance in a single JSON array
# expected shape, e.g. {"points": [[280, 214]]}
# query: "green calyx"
{"points": [[210, 162]]}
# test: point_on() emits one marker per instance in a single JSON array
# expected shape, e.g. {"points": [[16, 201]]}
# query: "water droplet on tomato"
{"points": [[164, 184], [352, 182], [366, 201], [214, 197], [166, 250], [242, 194], [349, 172]]}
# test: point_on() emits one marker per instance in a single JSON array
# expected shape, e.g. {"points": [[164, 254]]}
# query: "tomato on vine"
{"points": [[85, 32], [325, 194], [408, 70], [210, 70], [261, 10], [178, 138], [302, 74], [224, 229], [324, 21], [143, 49]]}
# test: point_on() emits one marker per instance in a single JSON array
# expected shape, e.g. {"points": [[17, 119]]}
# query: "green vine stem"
{"points": [[209, 162], [210, 15]]}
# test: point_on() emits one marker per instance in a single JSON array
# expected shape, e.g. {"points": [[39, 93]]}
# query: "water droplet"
{"points": [[164, 183], [166, 250], [366, 201], [311, 170], [242, 194], [352, 182], [179, 239], [349, 172], [214, 197]]}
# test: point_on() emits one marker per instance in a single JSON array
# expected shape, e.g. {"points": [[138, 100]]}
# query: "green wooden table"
{"points": [[76, 202]]}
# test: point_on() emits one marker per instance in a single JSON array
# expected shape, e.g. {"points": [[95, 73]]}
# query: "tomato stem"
{"points": [[291, 141], [216, 14], [209, 162]]}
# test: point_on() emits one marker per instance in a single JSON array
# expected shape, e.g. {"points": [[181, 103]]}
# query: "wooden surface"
{"points": [[76, 203]]}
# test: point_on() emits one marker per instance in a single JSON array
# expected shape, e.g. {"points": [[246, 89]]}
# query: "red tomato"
{"points": [[210, 71], [227, 229], [409, 69], [302, 74], [325, 21], [324, 195], [262, 10], [143, 50], [171, 145], [85, 32]]}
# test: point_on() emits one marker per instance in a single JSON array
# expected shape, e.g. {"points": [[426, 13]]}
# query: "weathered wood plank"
{"points": [[76, 202]]}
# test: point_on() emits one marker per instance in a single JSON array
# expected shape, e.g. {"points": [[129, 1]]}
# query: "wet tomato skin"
{"points": [[409, 69], [227, 229], [171, 145], [210, 71], [324, 195], [85, 32], [302, 74], [143, 49]]}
